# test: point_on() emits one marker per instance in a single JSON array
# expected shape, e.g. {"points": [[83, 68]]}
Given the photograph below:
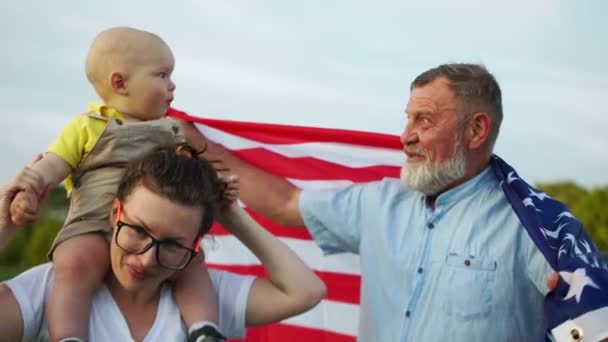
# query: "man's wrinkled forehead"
{"points": [[431, 98]]}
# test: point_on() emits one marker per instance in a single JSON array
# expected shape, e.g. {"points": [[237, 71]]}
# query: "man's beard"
{"points": [[430, 177]]}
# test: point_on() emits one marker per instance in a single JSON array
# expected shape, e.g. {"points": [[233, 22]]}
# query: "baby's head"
{"points": [[131, 71]]}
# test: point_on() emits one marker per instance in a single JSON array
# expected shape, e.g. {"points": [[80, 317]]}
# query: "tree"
{"points": [[590, 207]]}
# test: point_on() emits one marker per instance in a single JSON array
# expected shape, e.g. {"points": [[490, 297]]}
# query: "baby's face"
{"points": [[150, 89]]}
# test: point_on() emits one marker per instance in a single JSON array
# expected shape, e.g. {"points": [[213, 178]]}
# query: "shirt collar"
{"points": [[105, 111], [463, 190]]}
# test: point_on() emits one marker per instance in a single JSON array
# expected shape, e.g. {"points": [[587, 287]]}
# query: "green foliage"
{"points": [[591, 207], [12, 256], [31, 244], [38, 246]]}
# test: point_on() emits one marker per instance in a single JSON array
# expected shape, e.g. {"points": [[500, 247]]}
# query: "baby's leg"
{"points": [[197, 302], [81, 264]]}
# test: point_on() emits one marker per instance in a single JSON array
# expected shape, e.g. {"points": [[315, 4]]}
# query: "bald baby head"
{"points": [[119, 50]]}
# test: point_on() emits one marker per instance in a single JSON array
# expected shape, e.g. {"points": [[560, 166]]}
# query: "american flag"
{"points": [[310, 158], [583, 286], [320, 158]]}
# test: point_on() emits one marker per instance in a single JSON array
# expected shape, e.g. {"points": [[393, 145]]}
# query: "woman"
{"points": [[165, 203]]}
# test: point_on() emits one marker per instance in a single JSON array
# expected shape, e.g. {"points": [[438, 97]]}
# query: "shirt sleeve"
{"points": [[537, 266], [30, 289], [232, 291], [72, 142], [336, 219]]}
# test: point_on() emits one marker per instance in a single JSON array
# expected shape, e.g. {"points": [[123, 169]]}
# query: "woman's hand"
{"points": [[231, 194], [229, 205], [28, 181]]}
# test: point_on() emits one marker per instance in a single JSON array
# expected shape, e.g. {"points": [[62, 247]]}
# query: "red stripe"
{"points": [[285, 332], [281, 134], [275, 228], [340, 287], [308, 168]]}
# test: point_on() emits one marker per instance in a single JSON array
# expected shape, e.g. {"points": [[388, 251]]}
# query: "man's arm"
{"points": [[265, 193]]}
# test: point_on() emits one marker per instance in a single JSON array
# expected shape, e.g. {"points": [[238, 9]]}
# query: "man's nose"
{"points": [[409, 137]]}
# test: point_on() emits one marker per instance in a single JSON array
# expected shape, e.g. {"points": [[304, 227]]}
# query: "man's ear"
{"points": [[478, 130], [118, 83]]}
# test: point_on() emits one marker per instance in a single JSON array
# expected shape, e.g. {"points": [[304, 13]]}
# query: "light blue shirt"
{"points": [[465, 271]]}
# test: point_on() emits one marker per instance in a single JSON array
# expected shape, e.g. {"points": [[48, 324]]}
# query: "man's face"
{"points": [[433, 139]]}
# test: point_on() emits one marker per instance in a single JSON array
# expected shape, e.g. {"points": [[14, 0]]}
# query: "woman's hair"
{"points": [[175, 172]]}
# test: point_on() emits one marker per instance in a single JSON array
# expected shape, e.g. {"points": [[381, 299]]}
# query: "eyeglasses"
{"points": [[136, 240]]}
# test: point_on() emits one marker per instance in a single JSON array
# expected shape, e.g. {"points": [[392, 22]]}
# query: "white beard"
{"points": [[430, 177]]}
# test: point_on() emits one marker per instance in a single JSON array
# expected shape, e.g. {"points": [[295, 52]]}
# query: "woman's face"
{"points": [[160, 218]]}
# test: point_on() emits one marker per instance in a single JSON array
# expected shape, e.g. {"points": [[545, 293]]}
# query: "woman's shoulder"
{"points": [[31, 289], [35, 279]]}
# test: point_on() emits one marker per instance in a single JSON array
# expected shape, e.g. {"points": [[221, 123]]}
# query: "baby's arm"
{"points": [[52, 169]]}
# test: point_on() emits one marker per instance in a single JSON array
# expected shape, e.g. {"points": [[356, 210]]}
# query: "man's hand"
{"points": [[552, 281], [193, 136]]}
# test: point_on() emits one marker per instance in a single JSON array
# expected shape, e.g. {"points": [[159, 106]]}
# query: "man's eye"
{"points": [[162, 74]]}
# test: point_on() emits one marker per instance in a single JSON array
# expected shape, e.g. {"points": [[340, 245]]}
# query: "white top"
{"points": [[107, 323]]}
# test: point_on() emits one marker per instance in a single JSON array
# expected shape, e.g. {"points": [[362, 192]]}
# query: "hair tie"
{"points": [[185, 150]]}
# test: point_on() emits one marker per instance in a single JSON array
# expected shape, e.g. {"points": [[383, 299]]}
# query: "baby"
{"points": [[131, 72]]}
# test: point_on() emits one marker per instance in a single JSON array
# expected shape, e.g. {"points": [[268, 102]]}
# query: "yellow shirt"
{"points": [[80, 135]]}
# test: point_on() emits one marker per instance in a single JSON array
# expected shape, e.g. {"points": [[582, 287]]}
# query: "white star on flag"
{"points": [[540, 195], [511, 177], [577, 281], [529, 203], [564, 214]]}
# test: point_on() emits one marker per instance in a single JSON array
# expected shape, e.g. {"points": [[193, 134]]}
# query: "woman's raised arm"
{"points": [[291, 287]]}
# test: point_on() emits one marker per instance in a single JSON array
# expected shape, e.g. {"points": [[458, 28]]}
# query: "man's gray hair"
{"points": [[475, 88]]}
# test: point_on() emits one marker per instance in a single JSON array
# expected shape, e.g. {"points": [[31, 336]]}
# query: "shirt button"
{"points": [[431, 226], [420, 270], [467, 262], [407, 313]]}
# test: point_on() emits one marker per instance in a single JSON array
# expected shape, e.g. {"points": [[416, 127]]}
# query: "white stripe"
{"points": [[319, 184], [331, 316], [339, 153], [228, 250]]}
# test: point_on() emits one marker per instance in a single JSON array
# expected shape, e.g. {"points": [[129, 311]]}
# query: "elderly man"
{"points": [[443, 255]]}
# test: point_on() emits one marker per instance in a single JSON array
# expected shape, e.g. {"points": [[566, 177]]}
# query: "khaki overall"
{"points": [[97, 176]]}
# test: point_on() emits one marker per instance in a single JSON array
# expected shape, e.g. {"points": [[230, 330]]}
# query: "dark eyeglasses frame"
{"points": [[157, 242]]}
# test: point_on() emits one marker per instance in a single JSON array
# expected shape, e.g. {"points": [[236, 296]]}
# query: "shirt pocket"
{"points": [[468, 283]]}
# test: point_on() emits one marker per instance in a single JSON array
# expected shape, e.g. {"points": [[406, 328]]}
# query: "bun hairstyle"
{"points": [[176, 172]]}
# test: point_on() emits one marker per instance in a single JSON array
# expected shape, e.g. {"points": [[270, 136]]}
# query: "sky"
{"points": [[343, 64]]}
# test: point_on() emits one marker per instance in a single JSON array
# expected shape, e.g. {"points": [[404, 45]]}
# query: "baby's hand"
{"points": [[231, 194], [24, 208]]}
